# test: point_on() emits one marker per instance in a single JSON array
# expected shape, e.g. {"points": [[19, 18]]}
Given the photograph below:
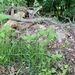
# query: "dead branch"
{"points": [[40, 19], [12, 9], [37, 10]]}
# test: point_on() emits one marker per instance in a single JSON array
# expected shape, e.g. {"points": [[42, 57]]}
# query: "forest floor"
{"points": [[64, 44]]}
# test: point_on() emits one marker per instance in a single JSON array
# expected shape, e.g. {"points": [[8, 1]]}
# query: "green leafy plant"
{"points": [[64, 44], [55, 18], [3, 17], [8, 3], [16, 2], [39, 53]]}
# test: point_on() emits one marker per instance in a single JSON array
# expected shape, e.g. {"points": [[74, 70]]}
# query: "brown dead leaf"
{"points": [[41, 26], [26, 25], [2, 69], [13, 23], [12, 71], [20, 14], [17, 32]]}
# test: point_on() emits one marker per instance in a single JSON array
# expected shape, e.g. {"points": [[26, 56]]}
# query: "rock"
{"points": [[60, 35]]}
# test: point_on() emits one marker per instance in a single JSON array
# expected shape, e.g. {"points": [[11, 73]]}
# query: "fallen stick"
{"points": [[37, 10], [39, 19], [42, 19]]}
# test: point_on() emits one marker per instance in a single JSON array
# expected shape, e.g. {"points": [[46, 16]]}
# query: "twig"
{"points": [[66, 18], [12, 9], [37, 10]]}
